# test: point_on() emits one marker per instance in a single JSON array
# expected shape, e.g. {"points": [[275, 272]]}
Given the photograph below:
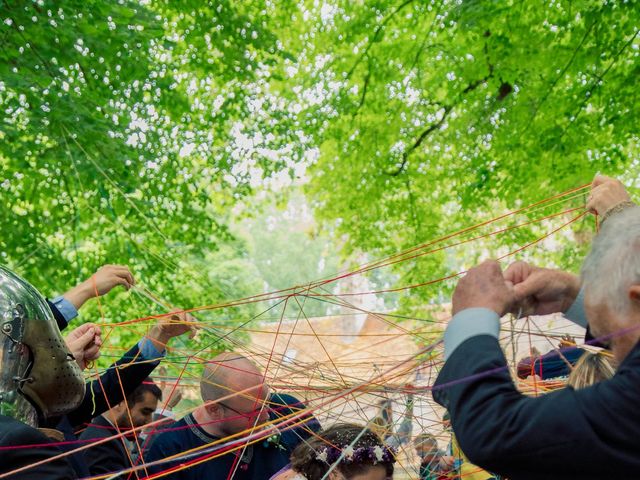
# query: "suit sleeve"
{"points": [[130, 371], [506, 432], [59, 469], [57, 314]]}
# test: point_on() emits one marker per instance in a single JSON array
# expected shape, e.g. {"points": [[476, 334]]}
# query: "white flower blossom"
{"points": [[378, 452], [322, 456], [348, 452]]}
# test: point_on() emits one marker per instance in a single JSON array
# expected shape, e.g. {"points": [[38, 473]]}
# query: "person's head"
{"points": [[137, 410], [357, 452], [234, 393], [426, 446], [591, 368], [39, 377], [611, 279]]}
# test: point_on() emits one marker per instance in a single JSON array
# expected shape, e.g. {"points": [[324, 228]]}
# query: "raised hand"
{"points": [[541, 291], [177, 324], [484, 286], [100, 283], [606, 193], [172, 325], [110, 276], [84, 343]]}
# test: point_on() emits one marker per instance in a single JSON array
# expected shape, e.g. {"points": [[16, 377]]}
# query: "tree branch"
{"points": [[561, 74], [447, 110], [420, 139], [376, 34], [365, 87], [417, 226]]}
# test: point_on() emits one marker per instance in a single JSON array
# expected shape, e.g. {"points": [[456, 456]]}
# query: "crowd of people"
{"points": [[55, 425]]}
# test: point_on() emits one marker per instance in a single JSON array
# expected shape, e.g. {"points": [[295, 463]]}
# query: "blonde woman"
{"points": [[593, 367]]}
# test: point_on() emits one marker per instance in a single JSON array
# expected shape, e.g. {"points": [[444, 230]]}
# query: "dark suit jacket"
{"points": [[132, 372], [57, 314], [14, 433], [593, 433], [107, 457], [129, 371]]}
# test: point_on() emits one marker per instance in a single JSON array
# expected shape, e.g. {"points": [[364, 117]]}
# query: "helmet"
{"points": [[39, 378]]}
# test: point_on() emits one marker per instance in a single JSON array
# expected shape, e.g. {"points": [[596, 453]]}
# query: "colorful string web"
{"points": [[368, 367]]}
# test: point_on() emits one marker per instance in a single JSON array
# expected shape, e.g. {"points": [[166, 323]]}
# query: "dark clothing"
{"points": [[77, 460], [106, 457], [133, 370], [57, 314], [14, 433], [590, 433], [259, 460], [550, 365]]}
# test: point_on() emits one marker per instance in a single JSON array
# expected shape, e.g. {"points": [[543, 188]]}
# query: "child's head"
{"points": [[426, 446], [358, 452]]}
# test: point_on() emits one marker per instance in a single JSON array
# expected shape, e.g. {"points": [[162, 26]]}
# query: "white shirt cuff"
{"points": [[470, 323], [65, 307]]}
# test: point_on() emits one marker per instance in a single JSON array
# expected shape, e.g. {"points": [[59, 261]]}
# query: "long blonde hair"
{"points": [[590, 369]]}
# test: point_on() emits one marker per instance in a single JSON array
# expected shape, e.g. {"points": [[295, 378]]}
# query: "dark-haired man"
{"points": [[135, 411]]}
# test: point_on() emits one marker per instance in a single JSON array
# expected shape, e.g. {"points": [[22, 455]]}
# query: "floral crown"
{"points": [[375, 454]]}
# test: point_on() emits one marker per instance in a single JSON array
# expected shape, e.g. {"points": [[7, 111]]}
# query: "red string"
{"points": [[365, 268]]}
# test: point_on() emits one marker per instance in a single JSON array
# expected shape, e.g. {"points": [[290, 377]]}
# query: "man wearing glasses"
{"points": [[233, 434]]}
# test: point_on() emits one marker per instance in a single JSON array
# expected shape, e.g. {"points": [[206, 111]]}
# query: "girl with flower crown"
{"points": [[342, 452]]}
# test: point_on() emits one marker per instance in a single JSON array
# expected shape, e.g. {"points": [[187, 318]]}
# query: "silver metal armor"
{"points": [[39, 377]]}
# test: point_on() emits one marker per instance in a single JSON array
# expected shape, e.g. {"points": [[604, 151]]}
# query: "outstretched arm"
{"points": [[503, 431], [100, 283], [65, 307], [121, 378]]}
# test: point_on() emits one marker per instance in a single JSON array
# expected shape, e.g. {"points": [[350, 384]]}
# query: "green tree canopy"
{"points": [[130, 130], [438, 115]]}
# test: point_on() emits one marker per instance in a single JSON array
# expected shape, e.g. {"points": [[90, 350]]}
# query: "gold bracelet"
{"points": [[617, 209]]}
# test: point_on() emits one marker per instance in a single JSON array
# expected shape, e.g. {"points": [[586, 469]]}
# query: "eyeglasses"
{"points": [[252, 414]]}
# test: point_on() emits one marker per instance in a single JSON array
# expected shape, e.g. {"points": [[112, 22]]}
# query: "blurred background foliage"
{"points": [[224, 149]]}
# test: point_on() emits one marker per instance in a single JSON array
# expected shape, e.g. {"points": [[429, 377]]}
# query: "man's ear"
{"points": [[121, 407], [116, 412], [213, 410], [634, 295]]}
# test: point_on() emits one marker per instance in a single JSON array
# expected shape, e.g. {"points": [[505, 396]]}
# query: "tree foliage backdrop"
{"points": [[139, 132]]}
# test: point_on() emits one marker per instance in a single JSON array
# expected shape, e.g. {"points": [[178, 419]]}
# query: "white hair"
{"points": [[613, 265]]}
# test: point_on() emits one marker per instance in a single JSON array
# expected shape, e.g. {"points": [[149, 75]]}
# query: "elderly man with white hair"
{"points": [[590, 433]]}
